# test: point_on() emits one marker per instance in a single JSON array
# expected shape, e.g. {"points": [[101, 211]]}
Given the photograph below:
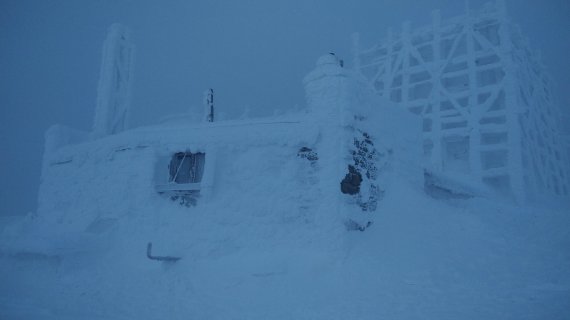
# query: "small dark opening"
{"points": [[351, 182]]}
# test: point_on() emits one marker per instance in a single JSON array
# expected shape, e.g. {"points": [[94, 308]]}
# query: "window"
{"points": [[181, 172], [179, 177], [186, 167]]}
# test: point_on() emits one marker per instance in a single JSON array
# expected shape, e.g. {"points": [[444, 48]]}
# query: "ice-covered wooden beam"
{"points": [[113, 95]]}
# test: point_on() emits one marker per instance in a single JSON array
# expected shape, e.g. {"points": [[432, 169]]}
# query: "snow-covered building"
{"points": [[484, 98], [331, 163]]}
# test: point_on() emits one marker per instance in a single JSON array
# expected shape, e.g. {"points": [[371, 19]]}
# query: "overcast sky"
{"points": [[253, 52]]}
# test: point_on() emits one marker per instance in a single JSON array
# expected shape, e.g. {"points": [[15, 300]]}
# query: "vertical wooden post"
{"points": [[388, 76], [475, 113], [515, 165], [209, 105], [406, 51], [436, 153]]}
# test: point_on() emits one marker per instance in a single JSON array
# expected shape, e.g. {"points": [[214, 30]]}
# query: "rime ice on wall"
{"points": [[111, 113], [361, 144], [58, 136], [484, 100], [116, 176]]}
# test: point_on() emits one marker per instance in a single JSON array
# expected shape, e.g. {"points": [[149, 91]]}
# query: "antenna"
{"points": [[209, 105]]}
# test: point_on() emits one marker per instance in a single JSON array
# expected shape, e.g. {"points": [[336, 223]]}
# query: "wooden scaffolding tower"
{"points": [[484, 98]]}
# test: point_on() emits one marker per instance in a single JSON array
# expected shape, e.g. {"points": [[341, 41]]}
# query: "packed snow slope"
{"points": [[422, 259]]}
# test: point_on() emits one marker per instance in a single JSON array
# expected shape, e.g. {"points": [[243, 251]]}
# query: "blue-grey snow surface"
{"points": [[422, 259]]}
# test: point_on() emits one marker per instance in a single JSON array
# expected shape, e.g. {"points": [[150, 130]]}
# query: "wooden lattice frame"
{"points": [[473, 79]]}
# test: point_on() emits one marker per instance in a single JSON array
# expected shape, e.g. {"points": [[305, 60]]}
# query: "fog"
{"points": [[254, 53]]}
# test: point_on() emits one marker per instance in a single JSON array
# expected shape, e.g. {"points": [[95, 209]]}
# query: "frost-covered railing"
{"points": [[484, 99]]}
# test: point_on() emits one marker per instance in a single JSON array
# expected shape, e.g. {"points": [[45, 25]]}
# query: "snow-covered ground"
{"points": [[422, 259]]}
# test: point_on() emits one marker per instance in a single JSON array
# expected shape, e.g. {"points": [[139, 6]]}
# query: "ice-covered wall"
{"points": [[484, 99], [255, 178], [113, 95]]}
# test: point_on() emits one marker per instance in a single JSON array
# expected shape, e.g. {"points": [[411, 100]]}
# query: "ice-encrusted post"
{"points": [[436, 160], [407, 48], [114, 91], [390, 49], [515, 165], [209, 105], [476, 113]]}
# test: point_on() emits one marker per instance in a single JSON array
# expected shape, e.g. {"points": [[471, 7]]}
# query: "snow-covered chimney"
{"points": [[328, 93], [113, 94], [327, 89]]}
